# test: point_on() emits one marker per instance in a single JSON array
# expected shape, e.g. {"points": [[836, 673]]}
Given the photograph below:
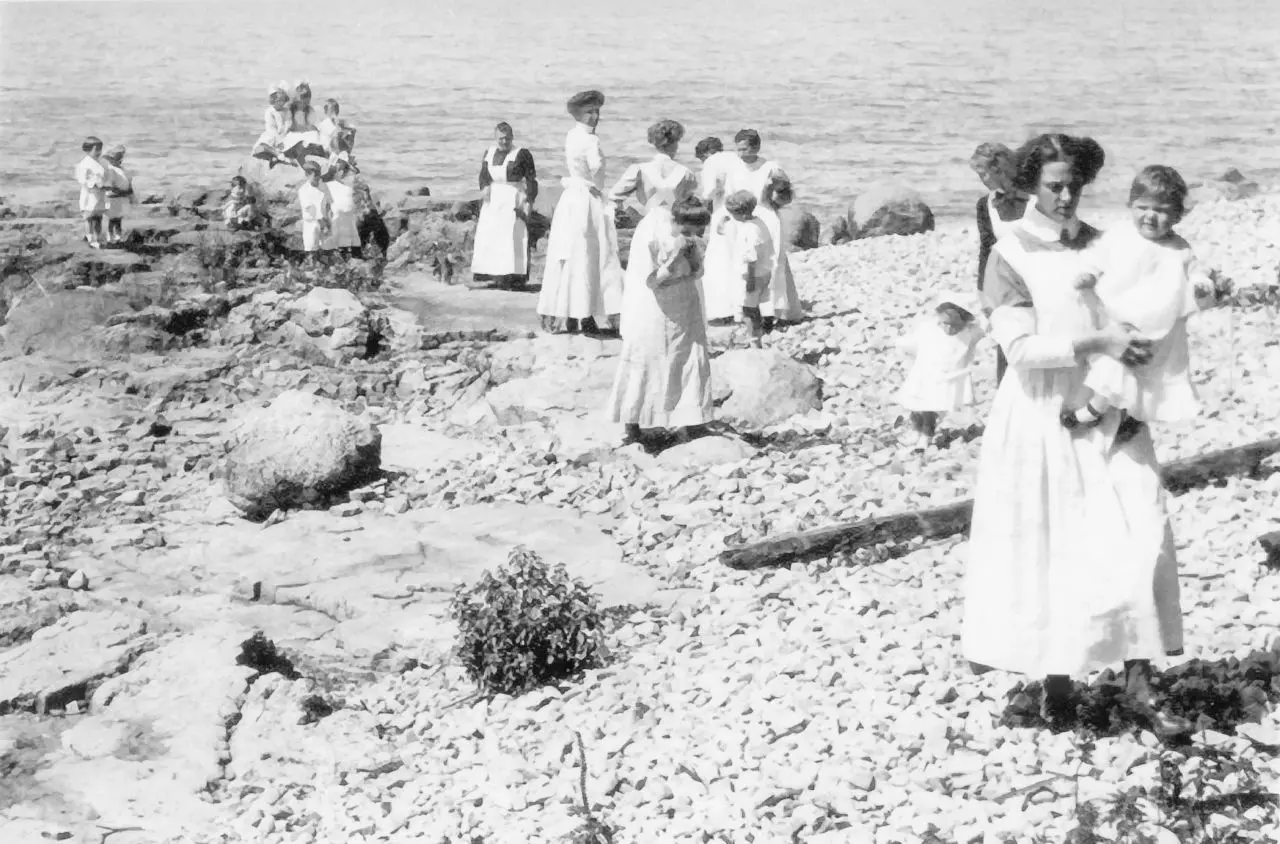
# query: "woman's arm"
{"points": [[627, 185], [524, 162], [485, 178], [986, 238]]}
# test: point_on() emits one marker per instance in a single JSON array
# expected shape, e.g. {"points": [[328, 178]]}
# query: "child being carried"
{"points": [[1143, 275]]}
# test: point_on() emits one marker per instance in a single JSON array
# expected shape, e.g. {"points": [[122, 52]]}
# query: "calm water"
{"points": [[844, 92]]}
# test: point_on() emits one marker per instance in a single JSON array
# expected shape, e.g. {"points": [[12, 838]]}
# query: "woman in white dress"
{"points": [[721, 287], [998, 211], [664, 373], [270, 146], [766, 181], [510, 185], [344, 235], [1071, 562], [661, 180], [582, 282]]}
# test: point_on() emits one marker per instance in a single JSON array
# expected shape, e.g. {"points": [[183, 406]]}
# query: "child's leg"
{"points": [[755, 325]]}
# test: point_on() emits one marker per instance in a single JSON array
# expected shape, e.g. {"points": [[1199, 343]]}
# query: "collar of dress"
{"points": [[1041, 227], [583, 129]]}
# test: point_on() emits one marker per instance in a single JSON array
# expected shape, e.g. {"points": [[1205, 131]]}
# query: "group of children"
{"points": [[106, 191], [1140, 275], [294, 134]]}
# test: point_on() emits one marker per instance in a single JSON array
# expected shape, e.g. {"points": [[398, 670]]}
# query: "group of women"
{"points": [[1071, 564]]}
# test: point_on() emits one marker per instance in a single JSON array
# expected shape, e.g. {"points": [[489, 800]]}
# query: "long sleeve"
{"points": [[710, 180], [595, 156], [528, 172], [627, 185], [986, 238], [1014, 329], [486, 178], [1002, 286]]}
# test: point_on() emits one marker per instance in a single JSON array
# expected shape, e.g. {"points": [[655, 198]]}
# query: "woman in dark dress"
{"points": [[997, 211], [510, 185]]}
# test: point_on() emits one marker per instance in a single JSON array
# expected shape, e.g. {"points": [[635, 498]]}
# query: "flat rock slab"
{"points": [[66, 656], [385, 580], [448, 308], [414, 449]]}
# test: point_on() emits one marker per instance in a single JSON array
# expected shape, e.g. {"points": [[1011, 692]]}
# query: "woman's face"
{"points": [[504, 140], [690, 230], [589, 116], [1058, 191], [747, 151]]}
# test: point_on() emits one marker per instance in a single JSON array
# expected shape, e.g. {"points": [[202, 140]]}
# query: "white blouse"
{"points": [[582, 155]]}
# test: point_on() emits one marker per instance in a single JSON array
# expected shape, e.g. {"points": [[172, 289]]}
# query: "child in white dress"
{"points": [[752, 256], [1143, 275], [92, 176], [344, 233], [119, 188], [240, 211], [940, 379], [316, 206]]}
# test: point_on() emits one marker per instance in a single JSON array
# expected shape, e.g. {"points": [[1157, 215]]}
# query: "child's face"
{"points": [[951, 321], [741, 216], [237, 192], [691, 230], [747, 151], [1154, 218], [330, 110]]}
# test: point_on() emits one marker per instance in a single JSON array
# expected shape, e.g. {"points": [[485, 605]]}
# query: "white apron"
{"points": [[502, 238]]}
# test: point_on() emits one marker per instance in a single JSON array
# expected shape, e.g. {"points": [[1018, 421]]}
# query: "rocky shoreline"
{"points": [[178, 672]]}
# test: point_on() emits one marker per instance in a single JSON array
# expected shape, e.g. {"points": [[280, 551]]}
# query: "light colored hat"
{"points": [[114, 154]]}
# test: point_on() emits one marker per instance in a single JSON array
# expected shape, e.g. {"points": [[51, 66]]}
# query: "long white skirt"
{"points": [[312, 235], [784, 299], [345, 233], [1071, 563], [664, 373], [583, 277], [722, 286], [502, 238]]}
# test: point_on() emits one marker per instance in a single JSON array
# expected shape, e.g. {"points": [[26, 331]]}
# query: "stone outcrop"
{"points": [[299, 450], [884, 210], [756, 388]]}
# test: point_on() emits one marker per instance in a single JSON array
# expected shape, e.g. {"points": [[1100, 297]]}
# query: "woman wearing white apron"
{"points": [[510, 185], [344, 234], [766, 180], [582, 283], [721, 296]]}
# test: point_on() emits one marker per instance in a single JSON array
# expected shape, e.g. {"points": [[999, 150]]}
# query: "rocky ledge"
{"points": [[237, 497]]}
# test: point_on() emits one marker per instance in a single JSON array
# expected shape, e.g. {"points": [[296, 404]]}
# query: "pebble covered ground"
{"points": [[822, 702]]}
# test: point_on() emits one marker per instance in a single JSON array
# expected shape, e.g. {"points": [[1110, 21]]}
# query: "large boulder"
{"points": [[802, 228], [64, 324], [1230, 186], [336, 322], [756, 388], [300, 450], [889, 209]]}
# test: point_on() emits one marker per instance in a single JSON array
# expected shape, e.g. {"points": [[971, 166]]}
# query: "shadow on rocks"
{"points": [[1218, 695]]}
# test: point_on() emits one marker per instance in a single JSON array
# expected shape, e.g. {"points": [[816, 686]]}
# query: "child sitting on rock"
{"points": [[940, 379], [92, 176], [119, 188], [753, 254], [1143, 275], [241, 208]]}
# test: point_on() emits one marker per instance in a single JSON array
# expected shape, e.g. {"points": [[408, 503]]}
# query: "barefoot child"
{"points": [[940, 379], [317, 208], [119, 189], [92, 176], [753, 254], [1143, 275]]}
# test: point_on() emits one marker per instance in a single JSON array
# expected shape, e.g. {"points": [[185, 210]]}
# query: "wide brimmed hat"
{"points": [[114, 154], [584, 100]]}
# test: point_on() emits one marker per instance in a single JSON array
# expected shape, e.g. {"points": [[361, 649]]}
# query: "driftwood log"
{"points": [[951, 519]]}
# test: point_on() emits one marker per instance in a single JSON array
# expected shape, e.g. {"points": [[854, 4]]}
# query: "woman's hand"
{"points": [[1119, 342]]}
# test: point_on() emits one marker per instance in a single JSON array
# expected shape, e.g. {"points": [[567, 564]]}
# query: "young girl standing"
{"points": [[92, 176], [940, 379], [119, 189], [317, 208], [752, 255]]}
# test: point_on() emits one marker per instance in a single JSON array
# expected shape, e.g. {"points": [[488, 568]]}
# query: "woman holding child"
{"points": [[1071, 556]]}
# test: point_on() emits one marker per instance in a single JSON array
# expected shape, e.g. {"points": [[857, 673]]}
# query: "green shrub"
{"points": [[526, 625]]}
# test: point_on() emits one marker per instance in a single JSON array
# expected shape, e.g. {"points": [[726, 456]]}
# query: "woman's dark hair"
{"points": [[664, 133], [505, 128], [751, 136], [1085, 154], [332, 105], [691, 212], [89, 143], [706, 147], [240, 181], [780, 186], [1161, 183]]}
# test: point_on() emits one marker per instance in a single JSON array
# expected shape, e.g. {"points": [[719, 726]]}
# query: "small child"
{"points": [[940, 379], [753, 254], [119, 189], [1143, 275], [345, 232], [241, 209], [92, 176], [316, 205]]}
